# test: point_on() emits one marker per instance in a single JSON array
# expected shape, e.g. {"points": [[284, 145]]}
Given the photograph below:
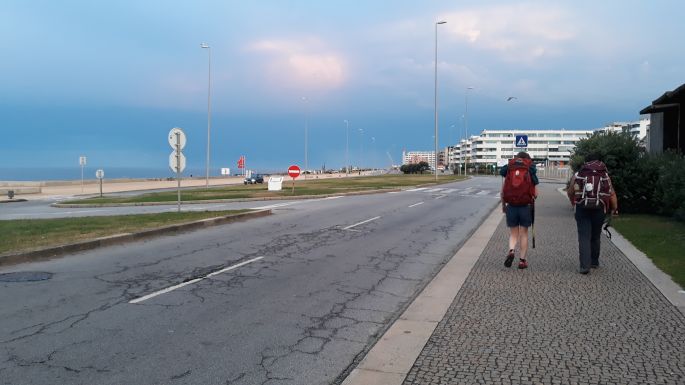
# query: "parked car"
{"points": [[255, 178]]}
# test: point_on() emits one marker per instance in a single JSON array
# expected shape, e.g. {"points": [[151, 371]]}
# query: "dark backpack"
{"points": [[591, 186], [518, 187]]}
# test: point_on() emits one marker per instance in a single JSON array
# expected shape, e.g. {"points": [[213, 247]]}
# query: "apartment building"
{"points": [[413, 157], [493, 146]]}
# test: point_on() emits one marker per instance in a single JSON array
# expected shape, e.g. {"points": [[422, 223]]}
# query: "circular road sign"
{"points": [[100, 173], [181, 138], [293, 171], [172, 162]]}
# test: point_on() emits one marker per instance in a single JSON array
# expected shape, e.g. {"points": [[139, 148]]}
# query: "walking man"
{"points": [[519, 192], [592, 194]]}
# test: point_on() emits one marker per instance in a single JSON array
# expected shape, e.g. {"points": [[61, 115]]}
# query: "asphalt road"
{"points": [[321, 280]]}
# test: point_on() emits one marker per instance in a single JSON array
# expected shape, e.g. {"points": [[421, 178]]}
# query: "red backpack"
{"points": [[518, 187], [591, 186]]}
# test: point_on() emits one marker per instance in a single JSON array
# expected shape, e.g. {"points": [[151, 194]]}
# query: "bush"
{"points": [[415, 168], [669, 194], [625, 159], [649, 184]]}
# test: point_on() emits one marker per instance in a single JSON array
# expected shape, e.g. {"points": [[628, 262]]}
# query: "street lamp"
{"points": [[466, 124], [306, 124], [435, 168], [209, 104], [361, 142], [347, 148], [466, 111]]}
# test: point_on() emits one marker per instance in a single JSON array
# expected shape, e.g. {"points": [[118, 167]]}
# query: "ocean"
{"points": [[74, 173]]}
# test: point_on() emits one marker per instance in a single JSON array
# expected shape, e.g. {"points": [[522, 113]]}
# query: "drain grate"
{"points": [[25, 276]]}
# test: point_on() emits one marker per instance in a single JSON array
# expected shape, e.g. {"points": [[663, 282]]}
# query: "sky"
{"points": [[109, 80]]}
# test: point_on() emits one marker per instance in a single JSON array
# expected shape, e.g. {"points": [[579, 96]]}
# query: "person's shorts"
{"points": [[519, 216]]}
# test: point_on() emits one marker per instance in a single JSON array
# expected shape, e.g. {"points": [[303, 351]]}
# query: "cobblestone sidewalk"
{"points": [[550, 325]]}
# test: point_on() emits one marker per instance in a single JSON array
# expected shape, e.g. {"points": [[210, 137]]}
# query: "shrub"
{"points": [[669, 194], [625, 160]]}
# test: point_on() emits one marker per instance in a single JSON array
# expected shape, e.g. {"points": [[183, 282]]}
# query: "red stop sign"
{"points": [[293, 171]]}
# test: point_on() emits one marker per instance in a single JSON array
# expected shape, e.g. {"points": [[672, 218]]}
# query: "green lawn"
{"points": [[27, 234], [311, 186], [661, 238]]}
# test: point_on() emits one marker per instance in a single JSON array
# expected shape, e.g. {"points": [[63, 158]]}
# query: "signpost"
{"points": [[82, 163], [294, 172], [100, 174], [177, 161]]}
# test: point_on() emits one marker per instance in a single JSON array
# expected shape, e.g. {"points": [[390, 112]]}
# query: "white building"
{"points": [[491, 146], [414, 157], [638, 128]]}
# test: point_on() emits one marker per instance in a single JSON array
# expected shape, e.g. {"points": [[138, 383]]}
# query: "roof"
{"points": [[667, 100]]}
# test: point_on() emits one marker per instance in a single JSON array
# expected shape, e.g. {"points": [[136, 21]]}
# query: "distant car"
{"points": [[255, 178]]}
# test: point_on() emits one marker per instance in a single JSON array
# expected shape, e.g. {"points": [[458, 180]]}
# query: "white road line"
{"points": [[360, 223], [416, 204], [274, 206], [64, 212], [449, 190], [335, 197], [172, 288], [394, 192], [418, 189], [440, 196], [483, 192], [434, 190]]}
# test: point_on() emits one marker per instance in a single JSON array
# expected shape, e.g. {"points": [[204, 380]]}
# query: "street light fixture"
{"points": [[435, 163], [209, 104], [306, 124], [347, 148], [361, 162], [466, 125]]}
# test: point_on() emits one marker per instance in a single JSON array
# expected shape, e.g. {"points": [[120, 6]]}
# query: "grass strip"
{"points": [[662, 239], [30, 234], [302, 187]]}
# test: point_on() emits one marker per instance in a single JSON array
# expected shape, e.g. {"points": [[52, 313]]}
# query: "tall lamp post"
{"points": [[306, 124], [466, 123], [209, 104], [435, 163], [361, 142], [347, 148], [466, 111]]}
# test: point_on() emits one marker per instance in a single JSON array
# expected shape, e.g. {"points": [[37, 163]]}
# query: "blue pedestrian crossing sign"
{"points": [[521, 141]]}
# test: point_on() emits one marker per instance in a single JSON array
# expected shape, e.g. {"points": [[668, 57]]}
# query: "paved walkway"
{"points": [[550, 325]]}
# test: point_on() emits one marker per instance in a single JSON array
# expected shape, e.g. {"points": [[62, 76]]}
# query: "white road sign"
{"points": [[181, 138], [100, 174], [173, 162], [82, 160], [225, 171]]}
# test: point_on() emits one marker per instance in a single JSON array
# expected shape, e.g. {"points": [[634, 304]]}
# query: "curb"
{"points": [[92, 205], [12, 200], [58, 251], [389, 361]]}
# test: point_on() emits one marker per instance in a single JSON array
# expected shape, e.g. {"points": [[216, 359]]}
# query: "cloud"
{"points": [[305, 64], [520, 32]]}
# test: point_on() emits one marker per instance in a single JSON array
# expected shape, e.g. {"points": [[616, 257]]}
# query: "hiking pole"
{"points": [[532, 215]]}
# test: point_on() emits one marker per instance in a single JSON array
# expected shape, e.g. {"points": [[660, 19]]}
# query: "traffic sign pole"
{"points": [[178, 167], [294, 172]]}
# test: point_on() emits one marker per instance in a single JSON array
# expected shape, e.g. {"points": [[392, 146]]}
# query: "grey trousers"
{"points": [[589, 223]]}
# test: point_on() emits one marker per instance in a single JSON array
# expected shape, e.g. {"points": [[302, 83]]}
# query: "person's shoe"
{"points": [[523, 264], [594, 266], [510, 259], [583, 271]]}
